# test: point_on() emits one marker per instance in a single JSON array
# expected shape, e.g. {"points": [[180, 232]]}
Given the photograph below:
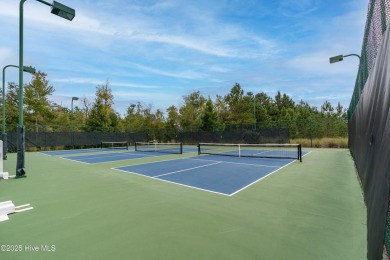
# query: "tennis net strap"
{"points": [[277, 151], [173, 148]]}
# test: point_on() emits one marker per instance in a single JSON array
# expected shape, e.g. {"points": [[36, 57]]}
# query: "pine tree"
{"points": [[209, 117]]}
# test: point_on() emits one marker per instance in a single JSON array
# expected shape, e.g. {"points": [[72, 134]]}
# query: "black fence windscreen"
{"points": [[46, 140], [369, 143], [259, 136]]}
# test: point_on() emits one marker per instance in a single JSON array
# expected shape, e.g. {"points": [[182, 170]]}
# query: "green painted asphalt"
{"points": [[309, 210]]}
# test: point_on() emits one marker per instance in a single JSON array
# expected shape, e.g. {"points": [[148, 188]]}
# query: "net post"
{"points": [[300, 152], [127, 145], [181, 148], [135, 146], [101, 145], [198, 148]]}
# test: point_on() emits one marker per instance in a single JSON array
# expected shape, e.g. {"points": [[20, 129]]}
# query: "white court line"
{"points": [[73, 160], [108, 156], [171, 182], [269, 174], [188, 169], [309, 152], [262, 152], [98, 156], [148, 162], [215, 162], [250, 164], [68, 152]]}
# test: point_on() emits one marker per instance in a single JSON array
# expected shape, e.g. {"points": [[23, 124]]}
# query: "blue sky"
{"points": [[157, 51]]}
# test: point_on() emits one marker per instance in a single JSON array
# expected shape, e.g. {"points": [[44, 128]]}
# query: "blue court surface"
{"points": [[105, 150], [111, 157], [219, 174], [80, 151]]}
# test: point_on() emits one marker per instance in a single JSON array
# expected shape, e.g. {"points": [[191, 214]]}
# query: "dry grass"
{"points": [[326, 142]]}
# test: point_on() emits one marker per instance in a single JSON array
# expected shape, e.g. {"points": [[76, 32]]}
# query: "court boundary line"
{"points": [[190, 158], [111, 155], [262, 152], [46, 152], [166, 160], [73, 160], [92, 156], [269, 174], [171, 182], [187, 169]]}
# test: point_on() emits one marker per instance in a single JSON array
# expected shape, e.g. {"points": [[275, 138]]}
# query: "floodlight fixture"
{"points": [[63, 11], [341, 57], [29, 69], [336, 59], [60, 9]]}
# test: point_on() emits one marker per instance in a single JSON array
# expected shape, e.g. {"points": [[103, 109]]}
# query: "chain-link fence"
{"points": [[60, 137], [377, 18], [369, 126]]}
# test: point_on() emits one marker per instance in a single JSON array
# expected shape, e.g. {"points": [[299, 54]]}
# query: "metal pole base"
{"points": [[4, 137], [20, 166]]}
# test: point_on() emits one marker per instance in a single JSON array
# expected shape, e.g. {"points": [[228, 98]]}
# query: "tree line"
{"points": [[196, 113]]}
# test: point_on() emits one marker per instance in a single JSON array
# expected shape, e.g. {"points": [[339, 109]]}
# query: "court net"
{"points": [[115, 145], [173, 148], [277, 151]]}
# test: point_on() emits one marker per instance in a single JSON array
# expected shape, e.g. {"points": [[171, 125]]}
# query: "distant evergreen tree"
{"points": [[36, 99], [209, 118], [102, 117]]}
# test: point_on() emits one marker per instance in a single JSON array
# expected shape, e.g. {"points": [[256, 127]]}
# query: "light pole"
{"points": [[132, 106], [195, 105], [4, 133], [341, 58], [254, 109], [57, 9], [72, 119]]}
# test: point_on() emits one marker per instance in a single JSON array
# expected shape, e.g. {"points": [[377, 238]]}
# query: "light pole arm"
{"points": [[43, 2], [341, 57], [352, 55]]}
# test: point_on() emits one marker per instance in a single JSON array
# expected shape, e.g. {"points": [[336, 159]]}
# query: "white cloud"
{"points": [[187, 74], [180, 46], [38, 14], [95, 82], [5, 55], [295, 9], [318, 63], [342, 35]]}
